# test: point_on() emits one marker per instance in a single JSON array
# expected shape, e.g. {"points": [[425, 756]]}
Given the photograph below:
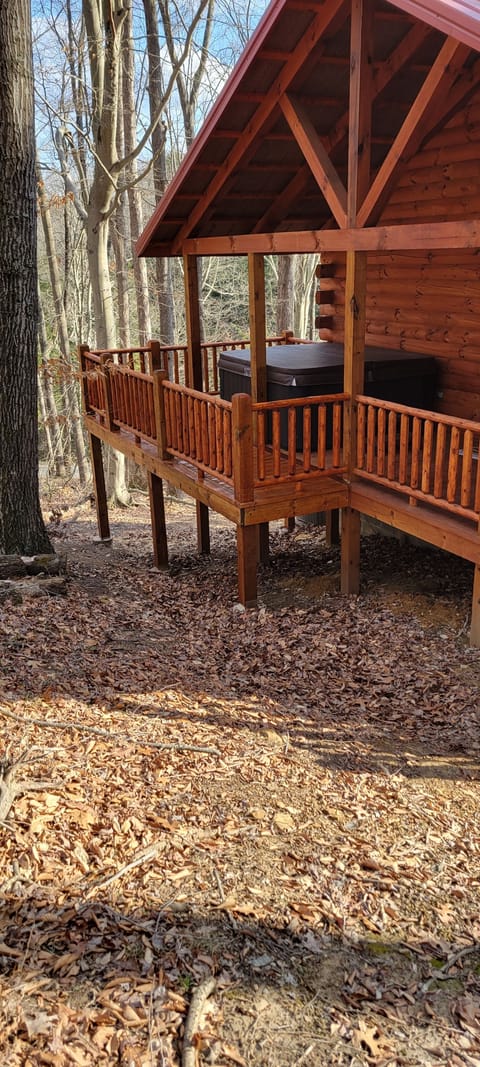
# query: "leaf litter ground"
{"points": [[284, 800]]}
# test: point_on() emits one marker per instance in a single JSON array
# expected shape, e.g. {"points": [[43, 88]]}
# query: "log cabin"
{"points": [[349, 129]]}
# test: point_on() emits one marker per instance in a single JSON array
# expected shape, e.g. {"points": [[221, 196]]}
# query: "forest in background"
{"points": [[119, 100]]}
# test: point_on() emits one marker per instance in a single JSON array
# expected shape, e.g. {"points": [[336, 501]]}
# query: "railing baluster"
{"points": [[276, 443], [292, 440], [260, 426], [219, 437], [193, 444], [361, 434], [337, 435], [381, 420], [392, 446], [371, 426], [212, 437], [439, 460], [403, 460], [185, 424], [204, 432], [197, 422], [476, 505], [453, 464], [227, 442], [307, 438], [322, 436], [467, 463], [416, 451], [427, 455]]}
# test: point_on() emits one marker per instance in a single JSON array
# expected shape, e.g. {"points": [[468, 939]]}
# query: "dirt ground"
{"points": [[242, 838]]}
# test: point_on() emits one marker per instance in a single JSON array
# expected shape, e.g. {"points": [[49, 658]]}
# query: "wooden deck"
{"points": [[253, 463], [288, 498]]}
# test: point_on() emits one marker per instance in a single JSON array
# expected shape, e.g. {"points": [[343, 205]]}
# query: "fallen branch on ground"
{"points": [[149, 854], [193, 1021], [10, 788], [56, 724]]}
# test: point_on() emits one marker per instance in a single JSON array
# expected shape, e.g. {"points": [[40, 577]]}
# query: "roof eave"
{"points": [[456, 18]]}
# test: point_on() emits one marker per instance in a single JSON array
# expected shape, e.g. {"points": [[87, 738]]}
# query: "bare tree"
{"points": [[21, 525]]}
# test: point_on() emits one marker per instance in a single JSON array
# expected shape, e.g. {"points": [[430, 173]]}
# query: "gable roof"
{"points": [[247, 170]]}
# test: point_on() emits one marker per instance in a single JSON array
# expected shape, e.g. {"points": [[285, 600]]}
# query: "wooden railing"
{"points": [[132, 401], [198, 428], [144, 360], [298, 438], [93, 382], [427, 456]]}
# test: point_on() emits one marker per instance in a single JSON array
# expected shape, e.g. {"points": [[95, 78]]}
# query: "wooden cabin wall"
{"points": [[426, 302]]}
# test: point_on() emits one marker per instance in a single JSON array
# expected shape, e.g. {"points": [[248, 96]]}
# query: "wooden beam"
{"points": [[258, 360], [360, 106], [195, 372], [293, 64], [203, 529], [384, 74], [99, 489], [193, 323], [247, 546], [350, 552], [423, 115], [462, 233], [157, 514], [258, 345], [316, 156], [353, 375], [354, 347]]}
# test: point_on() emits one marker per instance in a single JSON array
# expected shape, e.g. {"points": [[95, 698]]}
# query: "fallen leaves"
{"points": [[279, 801]]}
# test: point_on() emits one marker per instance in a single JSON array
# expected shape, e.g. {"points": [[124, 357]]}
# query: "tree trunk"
{"points": [[134, 196], [285, 293], [69, 390], [21, 525], [46, 387], [166, 305]]}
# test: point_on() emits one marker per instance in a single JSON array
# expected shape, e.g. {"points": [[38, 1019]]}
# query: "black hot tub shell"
{"points": [[317, 369]]}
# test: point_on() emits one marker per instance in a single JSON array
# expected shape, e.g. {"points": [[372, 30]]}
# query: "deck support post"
{"points": [[99, 488], [350, 562], [475, 620], [354, 362], [258, 359], [247, 541], [248, 537], [359, 168], [157, 514], [195, 373], [332, 527], [263, 543]]}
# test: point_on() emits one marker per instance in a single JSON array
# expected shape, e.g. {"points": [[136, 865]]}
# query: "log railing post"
{"points": [[242, 447], [82, 351], [106, 360], [156, 361], [243, 487], [159, 376]]}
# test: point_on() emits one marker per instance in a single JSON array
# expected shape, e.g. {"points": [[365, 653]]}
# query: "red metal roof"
{"points": [[245, 172], [457, 18]]}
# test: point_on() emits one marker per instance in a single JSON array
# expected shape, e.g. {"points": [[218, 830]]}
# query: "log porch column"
{"points": [[359, 168], [258, 357], [194, 372]]}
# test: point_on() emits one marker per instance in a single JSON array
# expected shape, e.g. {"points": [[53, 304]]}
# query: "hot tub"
{"points": [[317, 369]]}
